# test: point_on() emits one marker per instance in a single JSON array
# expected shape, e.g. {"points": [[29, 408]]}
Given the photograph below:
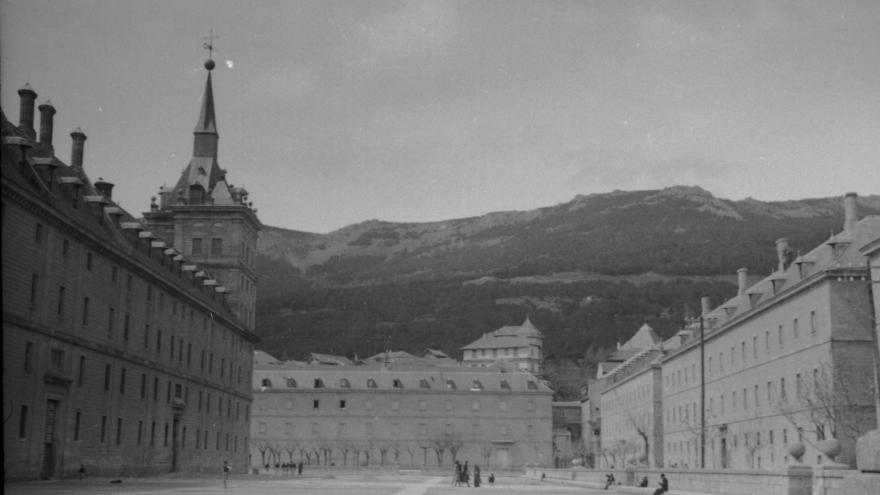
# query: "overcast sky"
{"points": [[335, 112]]}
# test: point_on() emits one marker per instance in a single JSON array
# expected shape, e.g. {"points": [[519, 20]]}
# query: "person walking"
{"points": [[456, 475], [466, 474], [476, 476], [226, 471], [664, 485]]}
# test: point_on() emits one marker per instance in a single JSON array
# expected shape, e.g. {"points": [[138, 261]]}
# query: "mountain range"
{"points": [[589, 272]]}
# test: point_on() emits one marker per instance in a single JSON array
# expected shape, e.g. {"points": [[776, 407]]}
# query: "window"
{"points": [[794, 328], [316, 404], [129, 283], [196, 246], [61, 292], [341, 403], [114, 274], [813, 328], [291, 383], [111, 315], [502, 405], [143, 385], [103, 428], [745, 400], [799, 384], [319, 383], [532, 385], [505, 385], [125, 326], [450, 384], [395, 405], [782, 388], [423, 383], [155, 389], [780, 337], [107, 371], [397, 383], [23, 421], [81, 375], [216, 246], [28, 356], [38, 233], [476, 385], [755, 347], [118, 431], [76, 424], [89, 261], [476, 405], [35, 280], [344, 383], [368, 405], [122, 382], [422, 405], [85, 311]]}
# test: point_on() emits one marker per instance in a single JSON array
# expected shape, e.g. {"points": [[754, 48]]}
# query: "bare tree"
{"points": [[345, 447], [486, 450], [383, 447], [290, 447], [411, 449], [828, 407], [263, 448]]}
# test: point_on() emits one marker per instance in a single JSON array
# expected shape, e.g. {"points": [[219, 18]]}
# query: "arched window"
{"points": [[450, 384], [477, 385], [532, 385], [343, 383], [266, 383], [397, 383], [319, 383], [505, 385], [291, 383], [371, 383], [423, 383]]}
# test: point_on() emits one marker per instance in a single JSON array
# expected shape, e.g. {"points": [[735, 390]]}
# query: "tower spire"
{"points": [[206, 137]]}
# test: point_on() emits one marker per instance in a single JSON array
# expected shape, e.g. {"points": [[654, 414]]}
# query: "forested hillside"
{"points": [[588, 272]]}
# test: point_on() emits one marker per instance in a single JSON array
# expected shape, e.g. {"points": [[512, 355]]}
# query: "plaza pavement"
{"points": [[354, 484]]}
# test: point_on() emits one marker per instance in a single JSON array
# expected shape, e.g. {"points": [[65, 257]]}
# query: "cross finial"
{"points": [[209, 43]]}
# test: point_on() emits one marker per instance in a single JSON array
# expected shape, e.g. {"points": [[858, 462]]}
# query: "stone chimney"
{"points": [[742, 278], [76, 153], [26, 111], [850, 211], [47, 113], [782, 253], [706, 305], [104, 188]]}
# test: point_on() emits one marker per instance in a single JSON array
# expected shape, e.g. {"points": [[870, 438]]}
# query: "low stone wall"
{"points": [[717, 482]]}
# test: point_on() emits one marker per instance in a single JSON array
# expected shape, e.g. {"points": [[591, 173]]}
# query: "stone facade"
{"points": [[521, 346], [116, 357], [387, 414], [784, 363]]}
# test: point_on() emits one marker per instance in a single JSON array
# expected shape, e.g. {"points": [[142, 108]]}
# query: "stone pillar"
{"points": [[800, 480]]}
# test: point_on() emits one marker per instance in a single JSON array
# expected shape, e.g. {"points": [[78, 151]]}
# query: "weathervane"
{"points": [[209, 45]]}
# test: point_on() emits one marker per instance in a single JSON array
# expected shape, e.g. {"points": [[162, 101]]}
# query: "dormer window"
{"points": [[343, 383], [532, 385], [202, 171], [371, 383], [196, 194], [450, 384], [397, 383], [266, 383], [319, 383], [291, 383], [476, 385], [505, 385], [423, 383]]}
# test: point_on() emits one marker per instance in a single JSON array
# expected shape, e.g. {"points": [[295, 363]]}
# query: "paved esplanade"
{"points": [[354, 484]]}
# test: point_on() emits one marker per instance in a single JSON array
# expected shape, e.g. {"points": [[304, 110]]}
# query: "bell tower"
{"points": [[209, 221]]}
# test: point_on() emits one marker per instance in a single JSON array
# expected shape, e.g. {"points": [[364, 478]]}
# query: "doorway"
{"points": [[47, 468]]}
